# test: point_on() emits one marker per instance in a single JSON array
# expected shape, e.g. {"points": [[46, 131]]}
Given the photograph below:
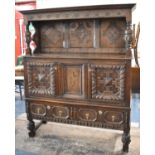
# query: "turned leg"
{"points": [[31, 128], [126, 141]]}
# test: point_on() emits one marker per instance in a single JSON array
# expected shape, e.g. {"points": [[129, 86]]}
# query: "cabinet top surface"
{"points": [[80, 8]]}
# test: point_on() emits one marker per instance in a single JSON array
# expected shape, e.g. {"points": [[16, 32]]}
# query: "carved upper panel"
{"points": [[81, 33], [112, 33], [52, 35]]}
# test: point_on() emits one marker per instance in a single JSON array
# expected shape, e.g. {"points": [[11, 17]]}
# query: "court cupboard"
{"points": [[77, 67]]}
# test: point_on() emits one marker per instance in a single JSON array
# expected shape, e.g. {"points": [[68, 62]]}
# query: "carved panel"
{"points": [[52, 35], [87, 114], [112, 33], [41, 79], [73, 78], [38, 109], [81, 33], [113, 117], [60, 112], [108, 82]]}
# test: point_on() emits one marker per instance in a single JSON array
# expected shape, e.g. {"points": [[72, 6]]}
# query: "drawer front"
{"points": [[80, 115]]}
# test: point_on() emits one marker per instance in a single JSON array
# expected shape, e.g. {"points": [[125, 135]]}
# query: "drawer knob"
{"points": [[48, 107], [100, 112], [60, 113]]}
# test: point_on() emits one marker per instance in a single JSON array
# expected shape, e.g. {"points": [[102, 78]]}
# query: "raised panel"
{"points": [[108, 82], [112, 33], [81, 33], [52, 35], [41, 79], [73, 80]]}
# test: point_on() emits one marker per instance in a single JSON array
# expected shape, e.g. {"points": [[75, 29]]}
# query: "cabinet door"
{"points": [[73, 80], [40, 79], [107, 82]]}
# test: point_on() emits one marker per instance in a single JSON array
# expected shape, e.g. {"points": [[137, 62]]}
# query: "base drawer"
{"points": [[88, 115]]}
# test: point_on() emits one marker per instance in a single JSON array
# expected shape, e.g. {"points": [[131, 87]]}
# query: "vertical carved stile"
{"points": [[128, 35], [32, 43], [52, 73], [28, 39], [93, 81]]}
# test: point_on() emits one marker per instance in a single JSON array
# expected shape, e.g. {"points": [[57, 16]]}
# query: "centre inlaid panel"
{"points": [[73, 80]]}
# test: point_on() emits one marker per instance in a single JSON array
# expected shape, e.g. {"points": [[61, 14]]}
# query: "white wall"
{"points": [[65, 3]]}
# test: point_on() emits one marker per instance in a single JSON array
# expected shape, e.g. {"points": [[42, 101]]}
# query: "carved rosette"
{"points": [[41, 79], [108, 82]]}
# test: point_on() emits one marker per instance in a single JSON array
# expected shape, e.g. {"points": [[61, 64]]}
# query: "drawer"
{"points": [[80, 114]]}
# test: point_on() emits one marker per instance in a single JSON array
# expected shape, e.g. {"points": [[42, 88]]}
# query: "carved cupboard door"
{"points": [[41, 78], [107, 82]]}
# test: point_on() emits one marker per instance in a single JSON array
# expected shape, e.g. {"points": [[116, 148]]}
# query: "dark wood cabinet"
{"points": [[77, 67]]}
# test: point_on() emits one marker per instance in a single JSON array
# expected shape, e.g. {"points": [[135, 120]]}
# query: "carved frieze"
{"points": [[108, 82], [105, 13], [41, 79]]}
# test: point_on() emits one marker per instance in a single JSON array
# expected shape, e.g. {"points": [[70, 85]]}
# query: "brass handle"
{"points": [[38, 110], [87, 116], [113, 118], [60, 113], [55, 68]]}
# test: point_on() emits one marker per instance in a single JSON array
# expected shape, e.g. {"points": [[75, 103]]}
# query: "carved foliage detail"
{"points": [[108, 82], [41, 79]]}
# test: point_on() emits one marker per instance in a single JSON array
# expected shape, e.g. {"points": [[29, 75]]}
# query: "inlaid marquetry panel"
{"points": [[113, 117], [108, 82], [81, 33], [52, 35], [41, 79], [87, 115], [38, 109], [73, 80], [112, 33], [60, 112]]}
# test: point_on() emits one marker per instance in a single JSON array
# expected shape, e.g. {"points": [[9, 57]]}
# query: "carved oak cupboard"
{"points": [[77, 67]]}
